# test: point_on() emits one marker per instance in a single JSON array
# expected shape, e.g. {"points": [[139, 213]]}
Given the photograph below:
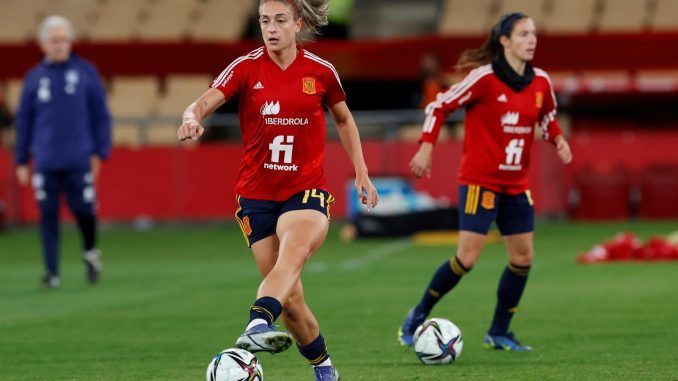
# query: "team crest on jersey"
{"points": [[308, 85], [246, 226], [538, 99], [488, 200]]}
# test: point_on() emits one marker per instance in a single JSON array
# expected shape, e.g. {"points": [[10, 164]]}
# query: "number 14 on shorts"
{"points": [[314, 193]]}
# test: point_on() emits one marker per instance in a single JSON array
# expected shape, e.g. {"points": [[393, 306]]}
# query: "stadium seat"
{"points": [[601, 192], [665, 15], [118, 20], [567, 16], [133, 96], [658, 190], [624, 15], [126, 134], [19, 19], [533, 8], [180, 91], [179, 13], [463, 17], [222, 20], [162, 134]]}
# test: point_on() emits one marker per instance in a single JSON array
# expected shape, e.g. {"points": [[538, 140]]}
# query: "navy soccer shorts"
{"points": [[478, 207], [258, 218]]}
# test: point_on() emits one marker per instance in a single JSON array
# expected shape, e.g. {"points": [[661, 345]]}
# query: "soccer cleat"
{"points": [[406, 331], [505, 343], [326, 373], [264, 338], [50, 281], [93, 265]]}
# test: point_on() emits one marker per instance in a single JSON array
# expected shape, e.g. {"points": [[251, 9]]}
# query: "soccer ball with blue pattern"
{"points": [[437, 341], [234, 364]]}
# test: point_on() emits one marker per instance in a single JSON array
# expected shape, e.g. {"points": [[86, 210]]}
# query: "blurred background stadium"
{"points": [[613, 63]]}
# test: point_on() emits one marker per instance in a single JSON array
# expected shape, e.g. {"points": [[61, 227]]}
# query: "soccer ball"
{"points": [[234, 364], [437, 341]]}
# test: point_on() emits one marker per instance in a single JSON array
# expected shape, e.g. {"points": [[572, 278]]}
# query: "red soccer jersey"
{"points": [[499, 126], [282, 121]]}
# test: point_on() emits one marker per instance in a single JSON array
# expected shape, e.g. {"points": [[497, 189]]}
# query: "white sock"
{"points": [[255, 322], [327, 362]]}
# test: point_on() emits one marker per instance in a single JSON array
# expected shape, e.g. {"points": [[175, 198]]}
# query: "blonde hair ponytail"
{"points": [[313, 13]]}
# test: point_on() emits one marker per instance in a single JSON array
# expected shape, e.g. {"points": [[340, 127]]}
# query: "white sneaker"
{"points": [[93, 265], [264, 338]]}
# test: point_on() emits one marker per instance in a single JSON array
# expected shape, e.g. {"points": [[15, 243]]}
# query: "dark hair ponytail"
{"points": [[472, 58]]}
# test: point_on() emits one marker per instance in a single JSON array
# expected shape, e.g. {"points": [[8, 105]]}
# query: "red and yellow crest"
{"points": [[308, 85], [538, 99], [488, 200], [246, 228]]}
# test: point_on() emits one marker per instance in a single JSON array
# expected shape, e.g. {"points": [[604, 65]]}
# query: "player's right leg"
{"points": [[47, 189], [257, 220], [296, 315], [474, 223], [300, 233]]}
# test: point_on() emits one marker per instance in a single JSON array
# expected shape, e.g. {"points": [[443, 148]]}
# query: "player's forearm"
{"points": [[194, 111], [350, 139], [204, 106]]}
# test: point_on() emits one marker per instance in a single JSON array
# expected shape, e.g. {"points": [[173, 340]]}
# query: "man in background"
{"points": [[63, 125]]}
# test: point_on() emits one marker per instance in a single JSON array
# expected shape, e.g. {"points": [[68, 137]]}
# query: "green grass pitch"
{"points": [[171, 298]]}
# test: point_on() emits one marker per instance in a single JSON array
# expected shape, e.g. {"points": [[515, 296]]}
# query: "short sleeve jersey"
{"points": [[282, 121], [499, 128]]}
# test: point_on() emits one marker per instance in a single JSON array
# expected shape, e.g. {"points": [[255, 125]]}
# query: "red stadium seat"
{"points": [[659, 192], [601, 192]]}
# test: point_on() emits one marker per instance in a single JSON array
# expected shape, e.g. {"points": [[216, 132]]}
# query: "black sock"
{"points": [[446, 277], [315, 352], [88, 228], [266, 308], [511, 287]]}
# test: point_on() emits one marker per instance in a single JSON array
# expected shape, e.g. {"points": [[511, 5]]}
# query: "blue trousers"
{"points": [[78, 188]]}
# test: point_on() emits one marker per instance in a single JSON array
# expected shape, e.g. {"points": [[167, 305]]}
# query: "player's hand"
{"points": [[95, 166], [23, 174], [420, 164], [190, 129], [563, 149], [367, 193]]}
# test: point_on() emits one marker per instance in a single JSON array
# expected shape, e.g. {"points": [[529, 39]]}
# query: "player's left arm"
{"points": [[549, 124], [350, 139], [100, 121], [191, 127]]}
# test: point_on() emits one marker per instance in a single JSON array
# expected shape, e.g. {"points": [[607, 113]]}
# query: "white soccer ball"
{"points": [[234, 364], [437, 341]]}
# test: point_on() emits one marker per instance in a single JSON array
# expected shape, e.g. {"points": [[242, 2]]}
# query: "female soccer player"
{"points": [[505, 97], [283, 201]]}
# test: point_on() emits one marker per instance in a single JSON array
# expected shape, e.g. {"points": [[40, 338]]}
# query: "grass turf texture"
{"points": [[171, 298]]}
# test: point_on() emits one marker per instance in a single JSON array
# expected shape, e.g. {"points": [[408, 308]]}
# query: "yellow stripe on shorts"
{"points": [[242, 224], [472, 199]]}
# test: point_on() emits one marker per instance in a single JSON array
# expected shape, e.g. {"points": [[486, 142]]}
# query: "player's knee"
{"points": [[468, 256], [522, 256]]}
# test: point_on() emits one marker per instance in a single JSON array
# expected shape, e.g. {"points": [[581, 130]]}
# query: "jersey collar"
{"points": [[300, 54]]}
